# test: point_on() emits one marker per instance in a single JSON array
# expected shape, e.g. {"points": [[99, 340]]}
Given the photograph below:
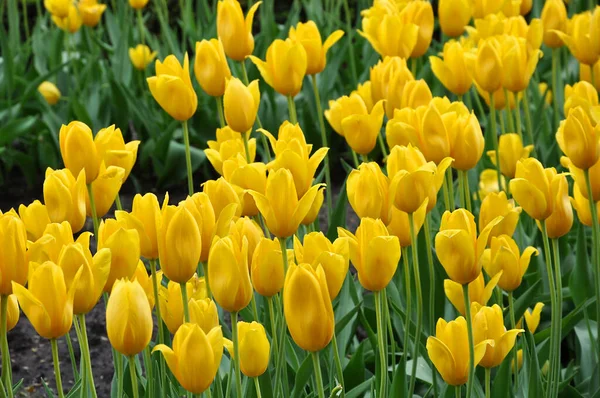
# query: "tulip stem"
{"points": [[417, 272], [595, 245], [555, 72], [188, 157], [450, 187], [6, 364], [471, 344], [467, 190], [338, 364], [324, 145], [318, 376], [408, 310], [258, 122], [254, 309], [381, 343], [457, 393], [509, 117], [273, 329], [93, 209], [281, 355], [553, 304], [518, 116], [147, 356], [257, 386], [390, 329], [205, 271], [431, 294], [558, 275], [292, 110], [349, 34], [528, 123], [118, 202], [355, 158], [140, 20], [446, 195], [220, 110], [133, 373], [161, 337], [55, 359], [184, 299], [236, 351], [87, 356], [495, 139], [461, 187], [488, 374], [72, 356], [513, 325]]}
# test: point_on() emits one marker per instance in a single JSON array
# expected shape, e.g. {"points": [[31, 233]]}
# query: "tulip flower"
{"points": [[12, 312], [315, 209], [554, 18], [582, 94], [364, 90], [412, 94], [211, 68], [307, 307], [71, 23], [113, 150], [559, 223], [511, 150], [244, 177], [452, 71], [579, 177], [141, 56], [307, 34], [247, 228], [254, 348], [496, 204], [65, 197], [54, 238], [222, 195], [333, 257], [454, 16], [479, 291], [532, 318], [105, 189], [488, 324], [267, 269], [518, 63], [144, 212], [585, 74], [128, 318], [138, 4], [361, 130], [411, 173], [241, 104], [145, 281], [486, 65], [482, 8], [124, 245], [578, 37], [533, 33], [367, 189], [46, 301], [388, 77], [488, 183], [458, 247], [195, 357], [172, 88], [58, 8], [374, 253], [36, 218], [399, 224], [421, 14], [504, 256], [581, 204], [525, 7], [13, 257], [285, 66], [579, 139], [342, 108], [228, 145], [228, 273], [171, 304], [203, 312], [78, 150], [50, 92], [90, 12], [280, 206], [233, 30], [449, 350]]}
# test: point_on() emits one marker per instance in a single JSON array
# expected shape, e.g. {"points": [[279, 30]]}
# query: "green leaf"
{"points": [[360, 390], [18, 127], [502, 379], [524, 301], [399, 386], [302, 377], [568, 322], [338, 217], [580, 281], [535, 378], [354, 373]]}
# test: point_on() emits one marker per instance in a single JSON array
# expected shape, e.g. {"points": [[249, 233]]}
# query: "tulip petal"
{"points": [[442, 359]]}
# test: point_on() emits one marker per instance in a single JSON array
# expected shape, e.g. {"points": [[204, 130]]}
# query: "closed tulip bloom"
{"points": [[128, 318], [254, 348], [145, 280], [172, 88], [467, 140], [247, 228], [421, 14], [388, 77], [399, 223], [581, 204], [246, 177], [579, 139], [451, 70], [12, 313], [454, 16], [488, 324], [374, 253], [195, 357], [367, 189], [579, 177], [554, 18], [496, 204], [124, 245], [504, 256], [333, 257], [578, 38], [307, 307], [511, 149], [229, 145], [65, 197], [241, 104], [533, 188], [233, 30], [113, 150], [313, 213], [458, 247], [46, 301], [78, 150], [488, 183], [58, 8], [91, 12], [518, 63], [449, 350], [486, 64], [482, 8], [228, 274], [50, 92], [365, 92], [203, 312], [36, 218], [138, 4], [71, 23], [307, 34], [342, 108], [222, 194], [211, 68], [267, 269], [525, 6], [532, 318], [285, 66], [585, 74], [561, 220], [105, 189], [141, 56], [169, 300], [479, 291], [282, 210], [533, 32], [582, 94], [361, 130], [13, 257], [179, 243], [414, 93], [143, 215], [54, 238]]}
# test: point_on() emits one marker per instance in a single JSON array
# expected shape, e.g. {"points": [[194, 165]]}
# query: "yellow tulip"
{"points": [[282, 210], [145, 210], [195, 357], [211, 68], [409, 172], [247, 228], [128, 318], [486, 64], [414, 93], [454, 16], [518, 63], [91, 12], [105, 189], [254, 348], [361, 130], [581, 204], [500, 98], [554, 18], [71, 23], [228, 274], [170, 302], [482, 8], [229, 145], [584, 95], [233, 30], [511, 150], [420, 13], [65, 197], [36, 218], [267, 269], [458, 247], [579, 177], [367, 189], [179, 243], [504, 257], [479, 291], [546, 92], [244, 177], [532, 318], [307, 34], [342, 108], [58, 8], [577, 36], [364, 91], [315, 209], [496, 204], [141, 56], [12, 313], [124, 245], [54, 238], [78, 150], [488, 183], [585, 74], [46, 301], [559, 223], [488, 324], [222, 194], [13, 256], [525, 6], [333, 257], [172, 88], [533, 33], [307, 307], [449, 350], [203, 312], [113, 150], [50, 92], [579, 139], [374, 253], [452, 71], [241, 104], [145, 280], [388, 77], [399, 223], [138, 4], [285, 66]]}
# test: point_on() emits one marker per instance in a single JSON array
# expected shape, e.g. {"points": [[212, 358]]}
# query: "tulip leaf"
{"points": [[360, 390], [581, 279], [341, 324], [16, 128], [568, 322], [302, 377], [535, 378], [354, 373], [399, 386], [502, 379], [338, 217], [524, 301]]}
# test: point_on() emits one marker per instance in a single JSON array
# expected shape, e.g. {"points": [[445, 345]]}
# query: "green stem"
{"points": [[417, 274], [461, 187], [408, 310], [382, 145], [72, 356], [390, 330], [518, 116], [118, 202], [513, 325], [183, 26], [188, 157], [184, 299], [220, 110], [55, 359], [349, 34], [355, 159], [431, 293], [555, 72], [119, 362], [246, 148], [236, 350], [281, 354], [511, 122], [254, 309], [488, 374], [528, 123], [324, 145], [413, 67], [88, 359], [133, 373], [381, 342], [273, 329], [450, 187], [595, 244], [256, 385], [558, 275], [205, 269], [25, 20], [495, 139], [161, 336], [6, 363], [258, 122], [467, 190], [446, 195], [553, 304], [93, 208], [457, 391], [148, 366], [140, 21], [338, 364], [471, 344], [292, 110], [318, 376]]}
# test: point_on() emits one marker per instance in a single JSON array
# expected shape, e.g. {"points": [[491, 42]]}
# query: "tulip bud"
{"points": [[171, 305], [13, 257], [203, 312], [50, 92], [78, 150], [342, 108], [452, 71], [105, 189], [388, 77], [113, 150], [496, 204], [254, 348], [267, 269], [488, 183], [518, 63], [579, 39], [229, 145], [389, 32], [222, 194], [479, 291], [315, 209], [12, 313], [454, 16], [532, 318], [71, 23], [58, 8], [141, 56], [504, 256], [210, 67], [582, 95], [511, 150], [233, 30], [307, 34], [581, 204], [367, 189], [128, 318], [145, 210], [364, 91], [486, 65], [124, 245], [241, 104], [559, 223], [554, 18], [65, 197], [247, 228], [361, 130], [579, 139], [36, 218], [399, 223], [138, 4], [54, 238], [90, 12], [421, 14]]}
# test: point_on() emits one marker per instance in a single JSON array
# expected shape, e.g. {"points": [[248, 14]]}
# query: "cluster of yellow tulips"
{"points": [[253, 235]]}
